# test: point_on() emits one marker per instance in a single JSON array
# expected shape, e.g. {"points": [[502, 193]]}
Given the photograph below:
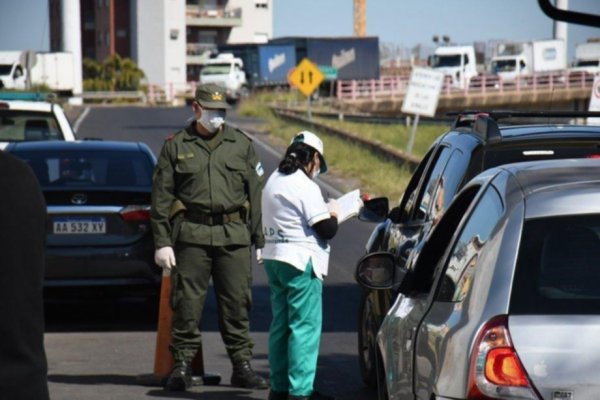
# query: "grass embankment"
{"points": [[350, 165]]}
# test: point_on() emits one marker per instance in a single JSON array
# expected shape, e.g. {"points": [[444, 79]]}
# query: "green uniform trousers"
{"points": [[230, 268], [295, 333]]}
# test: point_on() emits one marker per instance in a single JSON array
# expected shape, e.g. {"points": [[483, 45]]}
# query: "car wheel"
{"points": [[367, 331]]}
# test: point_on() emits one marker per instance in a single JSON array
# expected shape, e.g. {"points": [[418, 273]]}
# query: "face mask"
{"points": [[317, 170], [316, 173], [212, 120]]}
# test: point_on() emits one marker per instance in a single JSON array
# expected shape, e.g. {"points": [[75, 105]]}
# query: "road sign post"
{"points": [[306, 77], [595, 101], [421, 97]]}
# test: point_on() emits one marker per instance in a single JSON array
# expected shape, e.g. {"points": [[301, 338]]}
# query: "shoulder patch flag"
{"points": [[259, 169]]}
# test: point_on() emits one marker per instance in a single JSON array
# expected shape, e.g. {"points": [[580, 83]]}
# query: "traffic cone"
{"points": [[163, 359]]}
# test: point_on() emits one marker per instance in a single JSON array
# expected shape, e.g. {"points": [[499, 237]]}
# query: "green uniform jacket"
{"points": [[217, 181]]}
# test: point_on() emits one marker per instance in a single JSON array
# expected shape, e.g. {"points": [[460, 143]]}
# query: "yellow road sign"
{"points": [[306, 77]]}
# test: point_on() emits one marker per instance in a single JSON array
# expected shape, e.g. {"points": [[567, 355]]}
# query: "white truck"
{"points": [[25, 69], [227, 71], [513, 60], [587, 57], [12, 72], [458, 63]]}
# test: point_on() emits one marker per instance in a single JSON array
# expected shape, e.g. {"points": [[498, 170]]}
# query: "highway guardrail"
{"points": [[384, 150]]}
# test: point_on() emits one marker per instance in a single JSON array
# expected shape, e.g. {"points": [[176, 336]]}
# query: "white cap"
{"points": [[312, 140]]}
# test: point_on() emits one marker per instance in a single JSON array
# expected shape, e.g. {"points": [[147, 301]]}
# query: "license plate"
{"points": [[83, 226]]}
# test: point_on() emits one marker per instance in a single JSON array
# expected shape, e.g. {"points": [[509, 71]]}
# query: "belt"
{"points": [[212, 219]]}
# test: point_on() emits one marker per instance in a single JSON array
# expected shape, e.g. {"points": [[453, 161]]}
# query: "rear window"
{"points": [[507, 155], [558, 267], [24, 126], [70, 169]]}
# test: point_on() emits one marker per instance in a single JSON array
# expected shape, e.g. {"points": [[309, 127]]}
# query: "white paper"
{"points": [[349, 205]]}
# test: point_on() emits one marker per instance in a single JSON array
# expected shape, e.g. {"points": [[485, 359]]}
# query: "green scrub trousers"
{"points": [[294, 337]]}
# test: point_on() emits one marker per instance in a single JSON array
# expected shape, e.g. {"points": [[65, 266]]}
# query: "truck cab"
{"points": [[456, 62], [227, 71], [12, 73], [509, 67]]}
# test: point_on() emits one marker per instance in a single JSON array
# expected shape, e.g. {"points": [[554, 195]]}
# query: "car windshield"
{"points": [[5, 69], [503, 66], [23, 126], [90, 169], [558, 267], [451, 60], [216, 69]]}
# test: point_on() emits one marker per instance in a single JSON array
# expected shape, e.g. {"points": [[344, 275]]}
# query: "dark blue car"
{"points": [[98, 199]]}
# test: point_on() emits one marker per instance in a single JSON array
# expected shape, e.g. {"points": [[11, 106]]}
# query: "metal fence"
{"points": [[395, 86]]}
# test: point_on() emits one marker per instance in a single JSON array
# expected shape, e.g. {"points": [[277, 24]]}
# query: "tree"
{"points": [[114, 73]]}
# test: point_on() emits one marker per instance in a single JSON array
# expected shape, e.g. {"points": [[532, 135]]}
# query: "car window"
{"points": [[69, 169], [558, 267], [447, 185], [462, 260], [20, 126], [434, 247], [425, 197], [409, 196]]}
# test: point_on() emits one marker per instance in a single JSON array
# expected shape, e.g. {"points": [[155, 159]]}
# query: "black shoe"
{"points": [[273, 395], [314, 396], [244, 376], [180, 378]]}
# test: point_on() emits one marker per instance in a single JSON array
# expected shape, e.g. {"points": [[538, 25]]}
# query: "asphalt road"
{"points": [[97, 348]]}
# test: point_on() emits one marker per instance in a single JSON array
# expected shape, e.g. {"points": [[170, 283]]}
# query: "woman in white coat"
{"points": [[297, 223]]}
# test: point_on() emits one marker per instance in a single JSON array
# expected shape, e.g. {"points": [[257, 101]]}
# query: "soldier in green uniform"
{"points": [[206, 200]]}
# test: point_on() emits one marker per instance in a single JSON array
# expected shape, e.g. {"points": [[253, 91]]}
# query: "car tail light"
{"points": [[135, 213], [593, 156], [496, 371]]}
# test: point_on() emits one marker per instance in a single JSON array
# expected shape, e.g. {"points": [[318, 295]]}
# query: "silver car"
{"points": [[502, 300]]}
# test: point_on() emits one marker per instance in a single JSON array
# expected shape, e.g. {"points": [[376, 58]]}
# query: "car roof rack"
{"points": [[485, 123]]}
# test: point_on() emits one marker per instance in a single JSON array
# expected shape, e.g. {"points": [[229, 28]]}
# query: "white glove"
{"points": [[259, 258], [334, 207], [165, 257]]}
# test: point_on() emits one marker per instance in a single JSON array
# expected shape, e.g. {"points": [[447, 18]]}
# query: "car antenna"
{"points": [[551, 102]]}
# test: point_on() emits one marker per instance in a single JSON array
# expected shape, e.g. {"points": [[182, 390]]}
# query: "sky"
{"points": [[410, 22], [404, 23]]}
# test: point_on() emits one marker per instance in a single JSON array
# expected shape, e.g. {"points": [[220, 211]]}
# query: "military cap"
{"points": [[210, 95]]}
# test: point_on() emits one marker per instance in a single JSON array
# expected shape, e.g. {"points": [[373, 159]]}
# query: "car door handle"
{"points": [[409, 339]]}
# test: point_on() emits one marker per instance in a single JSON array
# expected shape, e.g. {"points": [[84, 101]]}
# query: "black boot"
{"points": [[273, 395], [244, 376], [180, 378]]}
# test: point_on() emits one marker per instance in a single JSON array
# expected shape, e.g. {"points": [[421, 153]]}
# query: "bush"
{"points": [[113, 74]]}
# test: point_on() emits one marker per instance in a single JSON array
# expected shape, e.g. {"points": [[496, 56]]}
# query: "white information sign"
{"points": [[423, 92], [595, 101]]}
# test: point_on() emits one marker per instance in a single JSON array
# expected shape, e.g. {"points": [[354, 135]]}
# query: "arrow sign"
{"points": [[306, 69]]}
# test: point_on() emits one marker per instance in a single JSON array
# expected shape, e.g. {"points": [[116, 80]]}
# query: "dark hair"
{"points": [[297, 155]]}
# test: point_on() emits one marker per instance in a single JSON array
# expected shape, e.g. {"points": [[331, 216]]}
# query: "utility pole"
{"points": [[360, 18]]}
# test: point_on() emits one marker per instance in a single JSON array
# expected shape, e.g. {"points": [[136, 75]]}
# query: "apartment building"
{"points": [[169, 39], [210, 23]]}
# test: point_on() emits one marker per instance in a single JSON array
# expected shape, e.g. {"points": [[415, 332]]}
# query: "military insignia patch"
{"points": [[216, 96], [259, 169]]}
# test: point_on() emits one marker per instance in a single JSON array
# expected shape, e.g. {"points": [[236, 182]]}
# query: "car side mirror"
{"points": [[374, 210], [376, 270]]}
